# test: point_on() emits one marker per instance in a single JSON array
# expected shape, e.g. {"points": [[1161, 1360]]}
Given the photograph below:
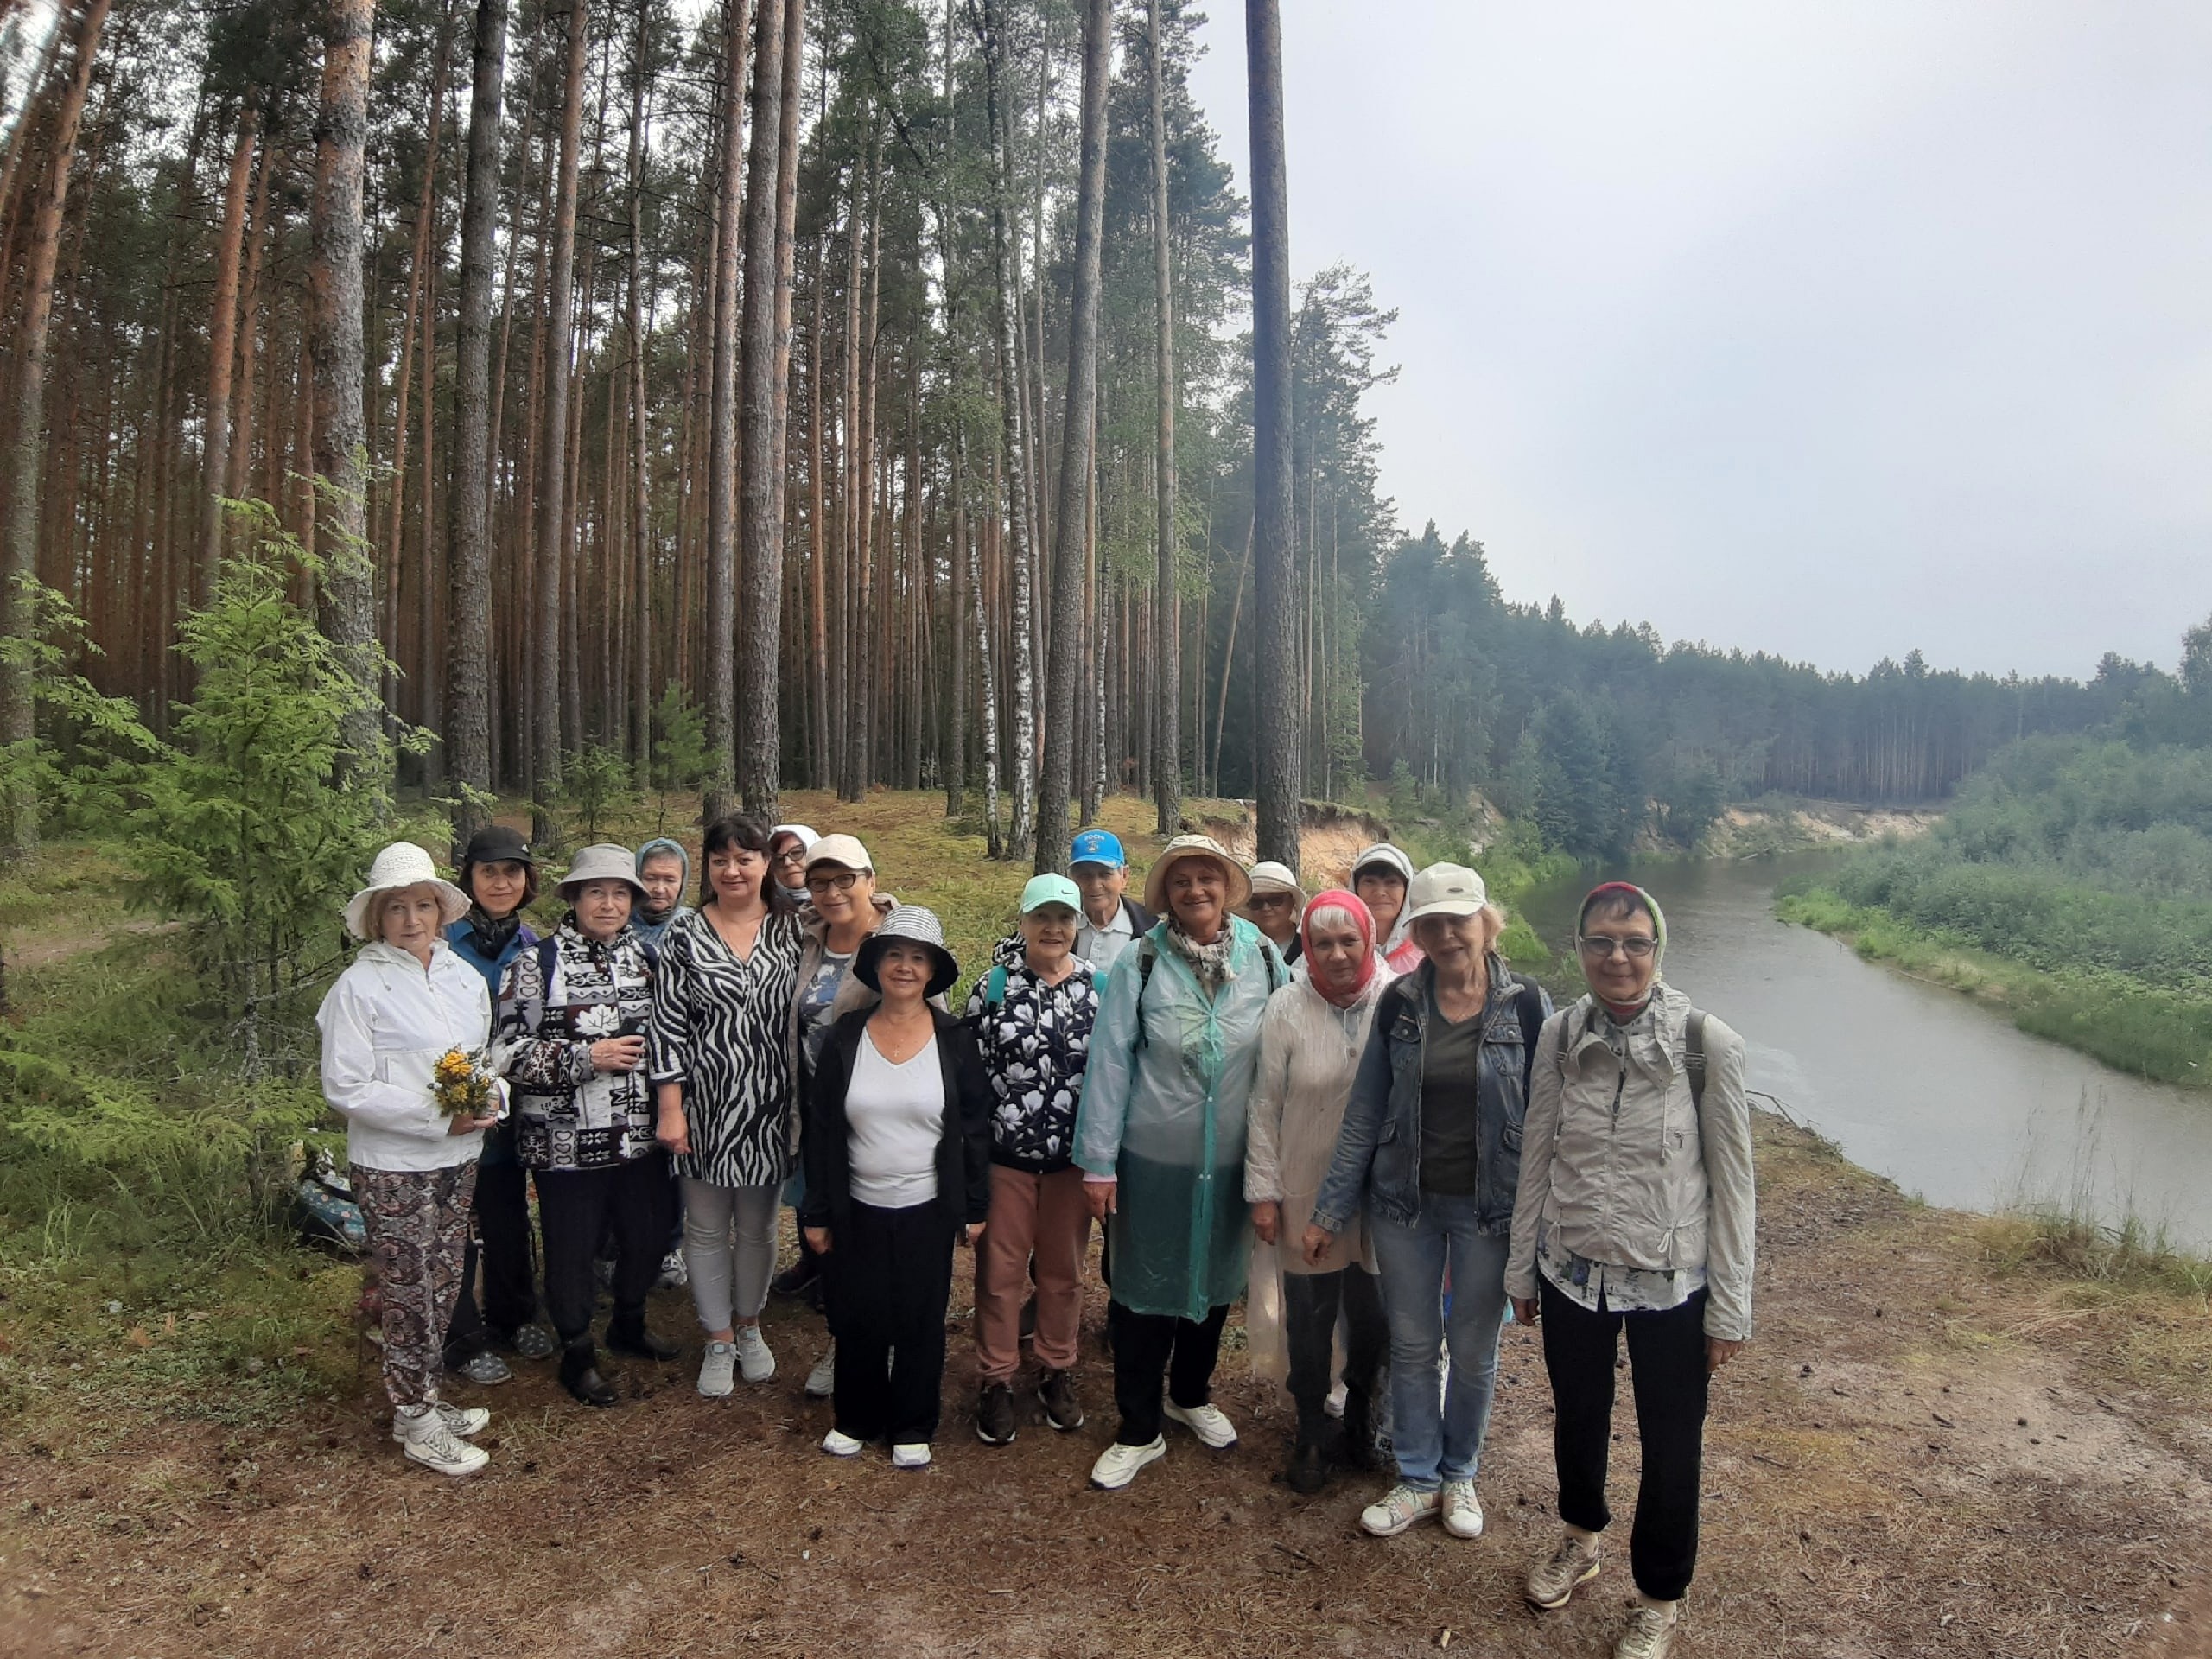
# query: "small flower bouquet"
{"points": [[461, 1087]]}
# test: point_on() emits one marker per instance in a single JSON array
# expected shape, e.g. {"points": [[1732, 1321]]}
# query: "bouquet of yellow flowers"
{"points": [[460, 1086]]}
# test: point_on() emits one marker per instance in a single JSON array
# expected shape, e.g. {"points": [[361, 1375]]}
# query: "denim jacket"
{"points": [[1378, 1151]]}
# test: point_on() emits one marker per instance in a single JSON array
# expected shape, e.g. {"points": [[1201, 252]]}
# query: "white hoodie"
{"points": [[383, 1025]]}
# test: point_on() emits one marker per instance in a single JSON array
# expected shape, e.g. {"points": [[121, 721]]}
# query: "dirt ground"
{"points": [[1918, 1455]]}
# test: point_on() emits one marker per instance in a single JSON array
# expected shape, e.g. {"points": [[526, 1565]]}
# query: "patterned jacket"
{"points": [[555, 1000], [1035, 1040]]}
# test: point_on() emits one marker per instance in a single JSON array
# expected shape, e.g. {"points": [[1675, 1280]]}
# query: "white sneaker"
{"points": [[1206, 1422], [839, 1444], [1463, 1510], [463, 1423], [1398, 1508], [433, 1446], [822, 1380], [717, 1370], [914, 1454], [754, 1362], [1651, 1633], [1117, 1464]]}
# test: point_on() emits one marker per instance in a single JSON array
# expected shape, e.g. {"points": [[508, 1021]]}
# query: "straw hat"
{"points": [[403, 864], [1184, 847], [604, 862], [919, 924]]}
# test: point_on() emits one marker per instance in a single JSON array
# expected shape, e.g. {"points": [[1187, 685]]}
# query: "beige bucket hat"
{"points": [[1183, 847]]}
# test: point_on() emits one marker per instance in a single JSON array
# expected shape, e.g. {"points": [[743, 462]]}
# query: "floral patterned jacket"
{"points": [[1035, 1040], [557, 999]]}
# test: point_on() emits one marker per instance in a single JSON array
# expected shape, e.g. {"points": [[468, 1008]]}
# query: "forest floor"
{"points": [[1940, 1443]]}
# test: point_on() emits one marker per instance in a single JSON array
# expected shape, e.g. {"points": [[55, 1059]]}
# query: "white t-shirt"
{"points": [[895, 1118]]}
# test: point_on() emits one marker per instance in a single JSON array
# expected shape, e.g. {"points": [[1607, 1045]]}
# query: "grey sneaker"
{"points": [[1553, 1580], [822, 1380], [1462, 1511], [534, 1342], [754, 1362], [426, 1441], [1651, 1631], [483, 1368], [1398, 1508], [717, 1370]]}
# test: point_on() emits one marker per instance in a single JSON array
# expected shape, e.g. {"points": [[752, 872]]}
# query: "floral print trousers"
{"points": [[417, 1222]]}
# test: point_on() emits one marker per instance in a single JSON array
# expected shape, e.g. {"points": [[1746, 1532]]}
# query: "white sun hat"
{"points": [[403, 864]]}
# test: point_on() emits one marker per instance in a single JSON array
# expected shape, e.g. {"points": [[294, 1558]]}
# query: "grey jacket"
{"points": [[1621, 1165], [1378, 1159]]}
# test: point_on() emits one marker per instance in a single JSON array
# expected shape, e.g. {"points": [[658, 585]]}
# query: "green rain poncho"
{"points": [[1167, 1120]]}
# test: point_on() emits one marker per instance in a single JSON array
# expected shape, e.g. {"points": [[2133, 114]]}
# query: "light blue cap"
{"points": [[1050, 889], [1098, 847]]}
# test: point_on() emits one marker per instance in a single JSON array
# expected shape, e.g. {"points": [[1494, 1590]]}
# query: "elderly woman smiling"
{"points": [[406, 1001], [1161, 1138]]}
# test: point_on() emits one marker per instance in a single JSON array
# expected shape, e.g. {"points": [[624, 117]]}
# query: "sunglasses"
{"points": [[1604, 950]]}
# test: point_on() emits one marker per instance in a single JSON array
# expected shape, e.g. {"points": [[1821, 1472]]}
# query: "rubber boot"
{"points": [[579, 1374], [1307, 1471]]}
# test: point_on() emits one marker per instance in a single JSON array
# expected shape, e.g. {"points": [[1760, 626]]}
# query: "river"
{"points": [[1941, 1094]]}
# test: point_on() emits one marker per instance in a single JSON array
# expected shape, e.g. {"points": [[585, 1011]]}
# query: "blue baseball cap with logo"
{"points": [[1098, 847]]}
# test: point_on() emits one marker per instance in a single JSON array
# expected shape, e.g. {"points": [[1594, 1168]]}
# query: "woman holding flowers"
{"points": [[400, 1029]]}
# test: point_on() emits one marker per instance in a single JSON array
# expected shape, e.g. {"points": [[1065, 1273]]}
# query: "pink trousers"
{"points": [[1043, 1215]]}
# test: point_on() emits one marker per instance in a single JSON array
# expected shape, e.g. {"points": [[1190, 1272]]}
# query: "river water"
{"points": [[1940, 1093]]}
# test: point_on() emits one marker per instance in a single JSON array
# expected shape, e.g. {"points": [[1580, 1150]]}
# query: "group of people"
{"points": [[1414, 1137]]}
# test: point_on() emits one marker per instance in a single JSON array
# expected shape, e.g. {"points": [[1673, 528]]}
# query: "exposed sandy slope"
{"points": [[1914, 1456]]}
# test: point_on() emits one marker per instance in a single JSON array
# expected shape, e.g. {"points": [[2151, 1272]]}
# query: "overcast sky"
{"points": [[1833, 329]]}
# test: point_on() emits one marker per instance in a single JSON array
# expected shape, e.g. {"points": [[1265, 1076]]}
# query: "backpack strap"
{"points": [[994, 987], [1693, 1056], [548, 953], [1147, 959]]}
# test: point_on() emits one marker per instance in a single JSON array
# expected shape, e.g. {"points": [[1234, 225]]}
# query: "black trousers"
{"points": [[631, 1201], [510, 1269], [1145, 1345], [1666, 1359], [887, 1280], [1311, 1302]]}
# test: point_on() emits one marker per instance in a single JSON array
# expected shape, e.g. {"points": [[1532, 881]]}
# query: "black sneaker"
{"points": [[641, 1344], [1307, 1471], [1062, 1409], [994, 1413]]}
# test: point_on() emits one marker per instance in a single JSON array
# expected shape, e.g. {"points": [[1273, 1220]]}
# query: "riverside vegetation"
{"points": [[2071, 881]]}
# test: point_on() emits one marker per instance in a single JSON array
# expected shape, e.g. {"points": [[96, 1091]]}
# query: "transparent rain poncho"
{"points": [[1165, 1116]]}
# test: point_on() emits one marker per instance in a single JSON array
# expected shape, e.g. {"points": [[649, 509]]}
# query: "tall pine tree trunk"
{"points": [[1274, 591], [1070, 526], [760, 507], [551, 552], [721, 431], [335, 345], [222, 349], [468, 623], [639, 665], [17, 715], [1165, 691]]}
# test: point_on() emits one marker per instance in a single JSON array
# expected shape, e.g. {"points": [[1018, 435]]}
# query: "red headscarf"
{"points": [[1363, 919]]}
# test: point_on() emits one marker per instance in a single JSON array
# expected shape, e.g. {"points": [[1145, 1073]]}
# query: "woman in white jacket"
{"points": [[405, 1001]]}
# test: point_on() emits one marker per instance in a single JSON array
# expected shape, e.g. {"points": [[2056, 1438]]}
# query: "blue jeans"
{"points": [[1438, 1442]]}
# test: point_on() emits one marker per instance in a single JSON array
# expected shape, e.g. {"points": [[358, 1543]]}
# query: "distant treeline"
{"points": [[1579, 728]]}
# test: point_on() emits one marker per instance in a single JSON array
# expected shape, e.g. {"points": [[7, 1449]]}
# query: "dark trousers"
{"points": [[509, 1293], [1311, 1302], [888, 1278], [630, 1200], [1145, 1345], [1666, 1359]]}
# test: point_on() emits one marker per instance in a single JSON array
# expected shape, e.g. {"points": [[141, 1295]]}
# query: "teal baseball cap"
{"points": [[1098, 846], [1050, 889]]}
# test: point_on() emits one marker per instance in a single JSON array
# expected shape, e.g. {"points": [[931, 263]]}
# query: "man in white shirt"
{"points": [[1112, 921]]}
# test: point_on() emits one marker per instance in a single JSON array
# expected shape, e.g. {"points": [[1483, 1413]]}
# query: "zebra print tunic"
{"points": [[718, 1027]]}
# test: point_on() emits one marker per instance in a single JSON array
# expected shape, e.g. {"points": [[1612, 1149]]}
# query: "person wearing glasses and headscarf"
{"points": [[1635, 1217]]}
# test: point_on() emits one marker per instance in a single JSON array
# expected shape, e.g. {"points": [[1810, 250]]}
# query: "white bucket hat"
{"points": [[604, 862], [1268, 876], [1444, 890], [403, 864]]}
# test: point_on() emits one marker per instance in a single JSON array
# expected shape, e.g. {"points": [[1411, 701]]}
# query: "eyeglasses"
{"points": [[796, 855], [1605, 949], [841, 882]]}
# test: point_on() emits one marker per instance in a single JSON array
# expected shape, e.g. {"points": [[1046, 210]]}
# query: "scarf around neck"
{"points": [[493, 937], [1209, 963], [1362, 918]]}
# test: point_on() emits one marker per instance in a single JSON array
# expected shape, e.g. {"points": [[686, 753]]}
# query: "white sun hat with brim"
{"points": [[1391, 858], [840, 849], [403, 864], [1187, 847], [604, 862], [1268, 876], [912, 925], [1444, 890]]}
